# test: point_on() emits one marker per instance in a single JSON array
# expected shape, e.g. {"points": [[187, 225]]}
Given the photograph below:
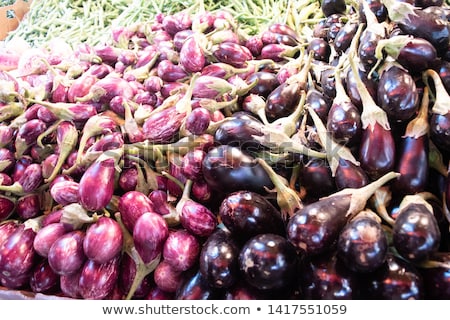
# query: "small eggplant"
{"points": [[97, 280], [246, 214], [103, 240], [149, 234], [219, 259], [17, 254], [46, 236], [96, 186], [132, 205], [315, 228], [181, 250], [66, 255], [227, 169]]}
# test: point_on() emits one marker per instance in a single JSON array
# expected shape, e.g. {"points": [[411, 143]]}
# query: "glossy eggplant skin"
{"points": [[344, 123], [416, 234], [417, 55], [396, 279], [377, 151], [412, 164], [326, 278], [228, 169], [428, 26], [239, 131], [315, 228], [283, 100], [436, 280], [247, 214], [195, 287], [440, 131], [219, 259], [397, 94], [268, 262]]}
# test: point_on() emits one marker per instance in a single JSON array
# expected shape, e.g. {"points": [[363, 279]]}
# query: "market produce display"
{"points": [[202, 152]]}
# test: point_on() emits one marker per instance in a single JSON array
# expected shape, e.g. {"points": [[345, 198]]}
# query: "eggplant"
{"points": [[315, 228], [419, 23], [227, 169]]}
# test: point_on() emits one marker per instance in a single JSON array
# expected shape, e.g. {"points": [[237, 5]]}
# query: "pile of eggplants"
{"points": [[188, 160]]}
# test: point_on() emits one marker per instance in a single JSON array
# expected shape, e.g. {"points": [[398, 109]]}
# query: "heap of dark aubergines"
{"points": [[186, 160]]}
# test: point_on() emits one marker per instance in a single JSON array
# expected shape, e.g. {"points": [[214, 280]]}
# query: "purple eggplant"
{"points": [[268, 262], [43, 279], [97, 280], [17, 254], [219, 259], [132, 205], [198, 121], [96, 186], [197, 218], [192, 56], [171, 72], [70, 285], [27, 135], [46, 236], [166, 277], [149, 234], [127, 275], [181, 250], [315, 228], [397, 94], [246, 214], [105, 89], [29, 206], [227, 169], [66, 255], [103, 240], [65, 192], [162, 126], [419, 23], [232, 53], [7, 207]]}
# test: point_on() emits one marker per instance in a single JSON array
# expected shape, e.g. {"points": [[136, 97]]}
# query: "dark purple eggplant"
{"points": [[195, 287], [321, 49], [419, 23], [362, 244], [413, 158], [27, 136], [315, 228], [436, 277], [238, 131], [440, 113], [97, 280], [66, 255], [330, 7], [326, 278], [17, 254], [416, 234], [246, 214], [103, 240], [317, 178], [268, 262], [377, 147], [181, 250], [397, 93], [227, 169], [219, 259], [396, 279], [414, 54], [345, 36], [349, 175], [266, 82], [344, 119]]}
